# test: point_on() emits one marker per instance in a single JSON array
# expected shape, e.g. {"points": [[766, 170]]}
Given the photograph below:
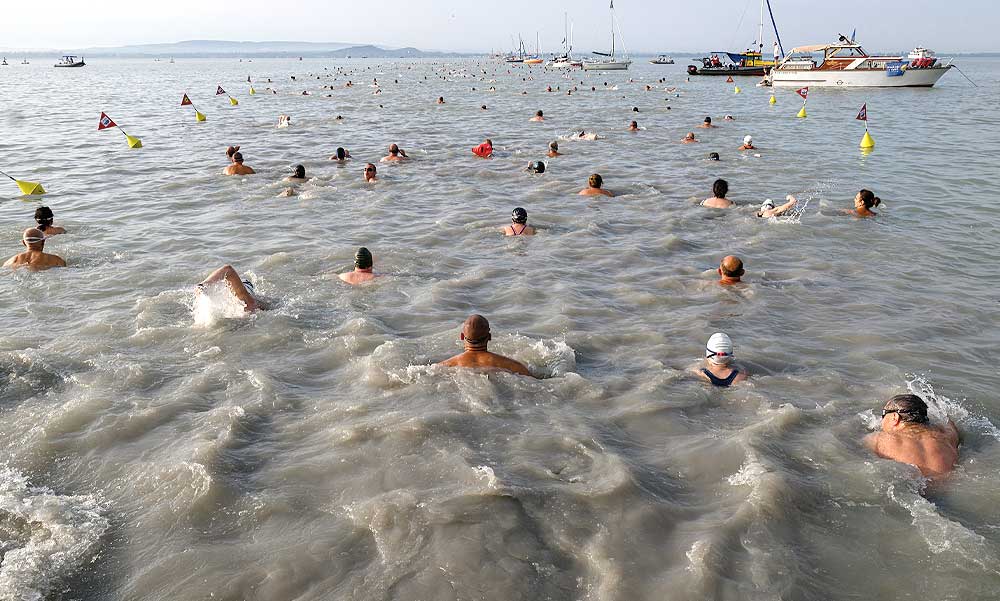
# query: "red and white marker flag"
{"points": [[803, 92], [185, 101], [105, 123], [863, 113], [220, 91]]}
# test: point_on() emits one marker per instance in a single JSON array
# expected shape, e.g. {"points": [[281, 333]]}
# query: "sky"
{"points": [[479, 26]]}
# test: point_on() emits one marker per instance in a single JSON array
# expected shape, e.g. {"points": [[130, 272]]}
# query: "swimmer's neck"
{"points": [[366, 270], [726, 280], [475, 349]]}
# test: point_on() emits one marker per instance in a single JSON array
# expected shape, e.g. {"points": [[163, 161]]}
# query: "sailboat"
{"points": [[537, 59], [566, 60], [749, 62], [519, 56], [611, 62]]}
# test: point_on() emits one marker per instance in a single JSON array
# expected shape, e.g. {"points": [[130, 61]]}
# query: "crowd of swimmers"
{"points": [[906, 433]]}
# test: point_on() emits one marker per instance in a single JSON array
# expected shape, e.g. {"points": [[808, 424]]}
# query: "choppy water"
{"points": [[309, 453]]}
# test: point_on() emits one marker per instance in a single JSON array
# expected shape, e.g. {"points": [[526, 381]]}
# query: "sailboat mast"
{"points": [[760, 31], [612, 29]]}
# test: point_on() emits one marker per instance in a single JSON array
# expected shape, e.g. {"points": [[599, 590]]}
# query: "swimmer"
{"points": [[720, 188], [583, 135], [538, 117], [747, 144], [730, 270], [342, 155], [719, 368], [536, 167], [476, 336], [363, 264], [395, 154], [907, 436], [370, 172], [713, 156], [298, 175], [238, 168], [483, 107], [231, 151], [242, 289], [768, 210], [594, 183], [633, 126], [44, 218], [440, 100], [864, 202], [554, 149], [635, 109], [484, 150], [519, 224], [34, 257], [707, 123], [689, 138], [729, 118], [284, 120]]}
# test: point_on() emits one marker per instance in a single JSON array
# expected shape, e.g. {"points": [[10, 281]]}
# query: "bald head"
{"points": [[476, 331], [34, 239], [731, 267]]}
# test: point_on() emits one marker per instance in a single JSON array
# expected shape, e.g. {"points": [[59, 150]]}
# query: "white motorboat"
{"points": [[610, 62], [662, 60], [565, 60], [847, 65]]}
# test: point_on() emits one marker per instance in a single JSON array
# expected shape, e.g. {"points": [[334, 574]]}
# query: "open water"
{"points": [[154, 450]]}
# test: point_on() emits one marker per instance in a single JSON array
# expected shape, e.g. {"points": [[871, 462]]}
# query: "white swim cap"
{"points": [[767, 204], [747, 139], [719, 349]]}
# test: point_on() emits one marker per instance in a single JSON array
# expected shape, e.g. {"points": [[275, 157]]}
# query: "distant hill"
{"points": [[228, 49]]}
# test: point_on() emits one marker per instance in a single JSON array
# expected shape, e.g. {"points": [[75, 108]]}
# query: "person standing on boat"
{"points": [[777, 53]]}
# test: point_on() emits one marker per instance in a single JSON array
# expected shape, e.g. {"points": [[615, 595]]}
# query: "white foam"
{"points": [[44, 537], [216, 302]]}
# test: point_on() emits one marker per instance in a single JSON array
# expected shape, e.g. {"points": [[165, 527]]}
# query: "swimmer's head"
{"points": [[489, 141], [713, 156], [299, 172], [537, 167], [767, 204], [634, 125], [689, 136], [909, 407], [720, 188], [731, 267], [44, 216], [231, 151], [538, 113], [719, 349], [747, 140], [238, 157], [595, 180], [519, 216], [33, 239], [341, 153], [868, 198], [708, 120], [554, 146], [393, 149], [635, 109], [363, 259], [483, 107], [730, 118], [476, 332]]}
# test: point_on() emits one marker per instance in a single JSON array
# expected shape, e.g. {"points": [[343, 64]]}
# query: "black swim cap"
{"points": [[537, 167], [363, 258], [299, 171], [713, 156], [519, 215]]}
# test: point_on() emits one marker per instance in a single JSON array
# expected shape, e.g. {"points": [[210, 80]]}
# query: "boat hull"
{"points": [[911, 78], [607, 66], [729, 71], [71, 66]]}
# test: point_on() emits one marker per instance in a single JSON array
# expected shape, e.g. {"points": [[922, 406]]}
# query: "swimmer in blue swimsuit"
{"points": [[719, 369]]}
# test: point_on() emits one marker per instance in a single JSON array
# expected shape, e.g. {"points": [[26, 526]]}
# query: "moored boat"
{"points": [[662, 60], [610, 62], [845, 64]]}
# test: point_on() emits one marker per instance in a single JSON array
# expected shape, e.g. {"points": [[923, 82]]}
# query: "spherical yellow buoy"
{"points": [[737, 90], [773, 100]]}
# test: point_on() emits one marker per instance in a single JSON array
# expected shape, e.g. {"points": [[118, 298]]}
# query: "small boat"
{"points": [[25, 62], [662, 60], [749, 62], [537, 59], [4, 63], [516, 57], [610, 62], [565, 60], [845, 64], [70, 61]]}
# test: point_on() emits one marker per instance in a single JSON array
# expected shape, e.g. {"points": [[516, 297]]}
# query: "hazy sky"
{"points": [[470, 25]]}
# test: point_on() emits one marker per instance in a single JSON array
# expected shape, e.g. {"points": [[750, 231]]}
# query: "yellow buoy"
{"points": [[29, 188], [773, 100], [233, 101], [737, 90], [867, 141], [133, 142], [252, 91], [199, 116], [802, 112]]}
